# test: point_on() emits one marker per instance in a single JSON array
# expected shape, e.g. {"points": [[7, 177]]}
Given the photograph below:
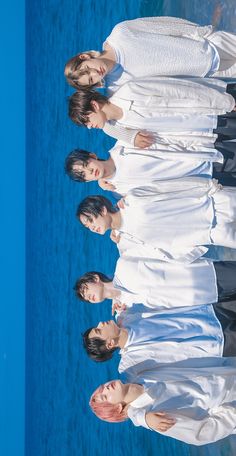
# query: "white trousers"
{"points": [[225, 44], [224, 233]]}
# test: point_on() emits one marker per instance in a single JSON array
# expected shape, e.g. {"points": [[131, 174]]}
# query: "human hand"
{"points": [[159, 421], [115, 237], [121, 203], [105, 185], [117, 306], [144, 139]]}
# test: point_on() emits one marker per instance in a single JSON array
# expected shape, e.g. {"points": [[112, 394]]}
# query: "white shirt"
{"points": [[159, 46], [150, 210], [168, 336], [136, 167], [202, 399], [161, 285]]}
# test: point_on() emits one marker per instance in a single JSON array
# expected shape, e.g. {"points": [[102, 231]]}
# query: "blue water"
{"points": [[59, 377]]}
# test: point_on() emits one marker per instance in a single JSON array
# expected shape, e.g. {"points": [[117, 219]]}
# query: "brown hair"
{"points": [[72, 69], [80, 104]]}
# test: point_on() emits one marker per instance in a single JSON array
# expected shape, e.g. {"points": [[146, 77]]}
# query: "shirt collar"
{"points": [[125, 105]]}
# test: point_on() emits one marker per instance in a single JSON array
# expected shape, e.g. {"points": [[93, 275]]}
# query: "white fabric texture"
{"points": [[134, 167], [160, 46], [199, 394], [193, 205], [161, 285], [168, 336], [225, 43]]}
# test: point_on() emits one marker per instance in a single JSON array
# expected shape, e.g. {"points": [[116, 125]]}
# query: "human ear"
{"points": [[120, 407], [110, 344], [97, 278], [104, 210], [85, 56], [95, 106], [92, 155]]}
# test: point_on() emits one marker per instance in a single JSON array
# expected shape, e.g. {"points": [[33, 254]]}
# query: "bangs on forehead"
{"points": [[98, 391]]}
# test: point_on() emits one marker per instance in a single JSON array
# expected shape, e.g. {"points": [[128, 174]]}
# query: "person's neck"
{"points": [[112, 111], [110, 292], [109, 168], [133, 392], [123, 337], [109, 56], [115, 220]]}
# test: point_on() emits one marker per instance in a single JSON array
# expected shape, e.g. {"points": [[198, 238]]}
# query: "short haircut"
{"points": [[80, 104], [93, 206], [78, 157], [73, 71], [106, 411], [89, 277], [96, 348]]}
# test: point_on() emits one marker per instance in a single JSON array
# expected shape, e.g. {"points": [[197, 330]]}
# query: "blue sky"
{"points": [[12, 198]]}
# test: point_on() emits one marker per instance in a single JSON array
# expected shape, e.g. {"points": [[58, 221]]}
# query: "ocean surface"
{"points": [[59, 377]]}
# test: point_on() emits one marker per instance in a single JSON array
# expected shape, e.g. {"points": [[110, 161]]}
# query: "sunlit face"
{"points": [[105, 330], [94, 291], [92, 171], [112, 392], [96, 119], [99, 224], [94, 71]]}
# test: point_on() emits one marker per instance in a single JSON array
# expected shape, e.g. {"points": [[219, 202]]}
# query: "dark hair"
{"points": [[89, 277], [80, 104], [93, 206], [77, 157], [96, 348]]}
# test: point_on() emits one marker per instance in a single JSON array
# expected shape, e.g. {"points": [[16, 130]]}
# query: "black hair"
{"points": [[96, 348], [78, 157], [89, 277], [93, 206]]}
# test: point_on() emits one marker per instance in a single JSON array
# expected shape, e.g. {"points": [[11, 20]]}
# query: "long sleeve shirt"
{"points": [[162, 285], [201, 398], [168, 336], [159, 46], [133, 167]]}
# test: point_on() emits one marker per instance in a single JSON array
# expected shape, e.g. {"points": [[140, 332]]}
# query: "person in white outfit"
{"points": [[173, 110], [159, 285], [160, 46], [190, 401], [178, 216], [126, 167]]}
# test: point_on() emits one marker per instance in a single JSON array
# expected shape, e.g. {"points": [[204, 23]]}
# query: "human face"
{"points": [[99, 224], [94, 70], [92, 171], [105, 330], [96, 119], [94, 291], [112, 392]]}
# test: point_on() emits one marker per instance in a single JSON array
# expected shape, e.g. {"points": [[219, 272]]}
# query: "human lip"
{"points": [[96, 173]]}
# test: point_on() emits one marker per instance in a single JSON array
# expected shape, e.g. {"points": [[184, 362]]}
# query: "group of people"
{"points": [[174, 167]]}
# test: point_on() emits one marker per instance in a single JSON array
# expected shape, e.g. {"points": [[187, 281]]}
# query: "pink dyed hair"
{"points": [[106, 411]]}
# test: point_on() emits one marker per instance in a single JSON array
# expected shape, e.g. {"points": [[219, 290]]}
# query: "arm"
{"points": [[159, 421], [172, 26], [181, 95], [220, 424], [140, 139]]}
